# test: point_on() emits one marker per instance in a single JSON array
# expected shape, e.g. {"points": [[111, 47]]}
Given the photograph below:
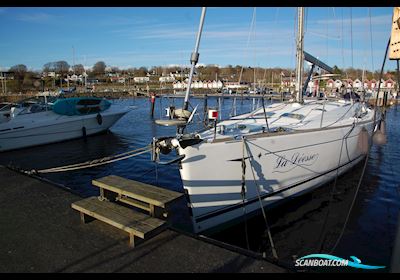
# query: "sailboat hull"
{"points": [[277, 167]]}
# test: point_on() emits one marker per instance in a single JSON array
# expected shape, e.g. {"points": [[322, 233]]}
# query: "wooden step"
{"points": [[140, 191], [134, 202], [135, 223]]}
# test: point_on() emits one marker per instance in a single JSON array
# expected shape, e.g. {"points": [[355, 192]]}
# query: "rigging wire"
{"points": [[251, 158], [323, 231], [342, 36], [365, 162], [294, 44], [370, 32], [327, 40], [255, 48], [248, 42], [351, 36]]}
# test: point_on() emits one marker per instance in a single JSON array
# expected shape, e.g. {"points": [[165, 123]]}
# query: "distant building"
{"points": [[177, 85], [288, 81], [330, 84], [373, 84], [141, 79], [389, 84], [51, 74], [117, 79], [366, 84], [357, 84], [198, 84], [338, 84], [236, 85], [180, 74], [166, 79], [75, 78]]}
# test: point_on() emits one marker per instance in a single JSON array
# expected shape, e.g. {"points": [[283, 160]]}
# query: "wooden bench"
{"points": [[138, 225], [150, 198]]}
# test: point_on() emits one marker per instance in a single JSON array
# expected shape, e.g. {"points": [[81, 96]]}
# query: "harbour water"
{"points": [[297, 226]]}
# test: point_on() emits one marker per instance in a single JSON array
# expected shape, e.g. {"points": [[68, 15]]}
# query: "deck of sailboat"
{"points": [[290, 117]]}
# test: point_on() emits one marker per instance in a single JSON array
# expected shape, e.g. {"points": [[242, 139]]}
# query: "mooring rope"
{"points": [[366, 158], [92, 163], [323, 230], [274, 253], [243, 194]]}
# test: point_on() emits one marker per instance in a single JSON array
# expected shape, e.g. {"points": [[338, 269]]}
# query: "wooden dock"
{"points": [[40, 232]]}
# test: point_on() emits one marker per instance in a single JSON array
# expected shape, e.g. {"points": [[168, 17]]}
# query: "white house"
{"points": [[141, 79], [198, 84], [177, 85], [166, 79], [357, 84], [367, 83], [217, 84], [236, 85], [389, 84], [373, 84], [338, 83], [330, 83]]}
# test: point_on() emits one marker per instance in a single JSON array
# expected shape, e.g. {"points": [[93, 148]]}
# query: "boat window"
{"points": [[294, 116], [239, 128], [34, 108], [269, 114]]}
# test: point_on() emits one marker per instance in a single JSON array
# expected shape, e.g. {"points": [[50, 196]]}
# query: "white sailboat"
{"points": [[268, 155], [34, 122]]}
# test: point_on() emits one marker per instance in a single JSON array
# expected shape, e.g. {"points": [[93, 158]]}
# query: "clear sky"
{"points": [[138, 36]]}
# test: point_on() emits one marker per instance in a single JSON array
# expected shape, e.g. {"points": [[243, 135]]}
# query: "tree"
{"points": [[141, 72], [78, 69], [115, 69], [336, 70], [49, 67], [61, 67], [28, 80], [19, 69], [19, 73], [99, 68]]}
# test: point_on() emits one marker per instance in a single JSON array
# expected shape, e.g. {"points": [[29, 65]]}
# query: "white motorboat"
{"points": [[273, 153], [34, 122]]}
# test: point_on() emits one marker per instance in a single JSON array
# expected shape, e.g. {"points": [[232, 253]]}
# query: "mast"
{"points": [[299, 54], [194, 58]]}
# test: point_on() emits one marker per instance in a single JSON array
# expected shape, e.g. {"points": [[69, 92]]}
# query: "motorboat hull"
{"points": [[54, 128]]}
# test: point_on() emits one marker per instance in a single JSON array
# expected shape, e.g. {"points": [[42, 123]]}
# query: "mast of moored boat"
{"points": [[299, 54], [194, 59]]}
